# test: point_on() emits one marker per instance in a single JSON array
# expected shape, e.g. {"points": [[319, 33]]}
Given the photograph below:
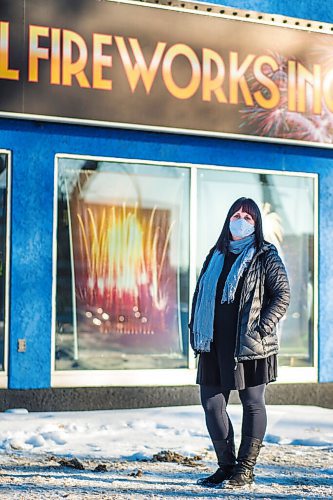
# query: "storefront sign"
{"points": [[123, 64]]}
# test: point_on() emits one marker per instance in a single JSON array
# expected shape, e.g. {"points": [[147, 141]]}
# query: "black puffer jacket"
{"points": [[264, 300]]}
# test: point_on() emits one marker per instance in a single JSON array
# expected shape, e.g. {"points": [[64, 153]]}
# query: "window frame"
{"points": [[4, 372], [179, 376]]}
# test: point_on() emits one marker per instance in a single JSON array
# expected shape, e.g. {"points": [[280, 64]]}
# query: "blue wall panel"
{"points": [[34, 146], [305, 9]]}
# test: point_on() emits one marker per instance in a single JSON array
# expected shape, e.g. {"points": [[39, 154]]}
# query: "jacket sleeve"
{"points": [[195, 295], [278, 294]]}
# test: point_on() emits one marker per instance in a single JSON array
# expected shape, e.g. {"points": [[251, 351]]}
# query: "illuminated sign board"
{"points": [[152, 67]]}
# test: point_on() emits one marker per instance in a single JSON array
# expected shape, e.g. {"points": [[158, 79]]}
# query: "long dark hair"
{"points": [[249, 206]]}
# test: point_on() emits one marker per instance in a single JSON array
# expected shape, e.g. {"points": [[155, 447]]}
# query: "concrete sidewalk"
{"points": [[284, 471]]}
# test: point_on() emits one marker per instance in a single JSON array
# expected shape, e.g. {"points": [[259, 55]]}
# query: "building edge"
{"points": [[115, 398]]}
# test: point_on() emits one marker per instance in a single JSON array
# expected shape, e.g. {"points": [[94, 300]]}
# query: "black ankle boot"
{"points": [[226, 458], [247, 456]]}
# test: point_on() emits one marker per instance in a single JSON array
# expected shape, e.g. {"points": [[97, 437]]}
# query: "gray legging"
{"points": [[214, 402]]}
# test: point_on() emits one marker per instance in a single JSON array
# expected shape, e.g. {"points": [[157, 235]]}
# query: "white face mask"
{"points": [[240, 228]]}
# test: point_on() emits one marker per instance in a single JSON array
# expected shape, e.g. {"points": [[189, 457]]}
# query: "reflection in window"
{"points": [[122, 266], [3, 238], [287, 205]]}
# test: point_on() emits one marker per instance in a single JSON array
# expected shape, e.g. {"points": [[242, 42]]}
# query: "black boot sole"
{"points": [[229, 486], [211, 485]]}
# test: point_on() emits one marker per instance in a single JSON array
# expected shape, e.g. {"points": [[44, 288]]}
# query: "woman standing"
{"points": [[241, 294]]}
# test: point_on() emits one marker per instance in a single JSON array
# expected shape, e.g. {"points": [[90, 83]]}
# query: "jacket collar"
{"points": [[265, 247]]}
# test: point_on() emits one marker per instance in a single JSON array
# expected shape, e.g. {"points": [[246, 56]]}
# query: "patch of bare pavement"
{"points": [[284, 471]]}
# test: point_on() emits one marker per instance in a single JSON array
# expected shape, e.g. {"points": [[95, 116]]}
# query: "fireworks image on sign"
{"points": [[280, 121]]}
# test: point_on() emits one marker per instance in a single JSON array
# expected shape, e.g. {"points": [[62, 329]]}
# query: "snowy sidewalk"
{"points": [[296, 462]]}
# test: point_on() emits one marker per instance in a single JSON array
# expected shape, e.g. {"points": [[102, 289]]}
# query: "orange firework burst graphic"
{"points": [[280, 121]]}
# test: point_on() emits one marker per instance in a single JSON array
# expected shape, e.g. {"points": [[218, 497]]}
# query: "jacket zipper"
{"points": [[236, 352]]}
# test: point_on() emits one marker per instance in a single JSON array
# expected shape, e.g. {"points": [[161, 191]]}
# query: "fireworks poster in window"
{"points": [[125, 285]]}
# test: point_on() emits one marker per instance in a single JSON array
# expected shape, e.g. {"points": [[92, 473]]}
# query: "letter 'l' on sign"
{"points": [[5, 72]]}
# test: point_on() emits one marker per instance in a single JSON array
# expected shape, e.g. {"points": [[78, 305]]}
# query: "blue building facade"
{"points": [[35, 148]]}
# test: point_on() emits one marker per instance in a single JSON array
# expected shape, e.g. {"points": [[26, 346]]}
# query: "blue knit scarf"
{"points": [[203, 323]]}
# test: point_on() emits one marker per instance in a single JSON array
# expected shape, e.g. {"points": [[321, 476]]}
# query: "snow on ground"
{"points": [[296, 462]]}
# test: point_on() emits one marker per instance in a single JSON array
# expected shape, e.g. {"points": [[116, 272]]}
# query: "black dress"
{"points": [[217, 367]]}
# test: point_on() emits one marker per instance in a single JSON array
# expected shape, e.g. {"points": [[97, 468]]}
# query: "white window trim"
{"points": [[4, 372], [180, 377]]}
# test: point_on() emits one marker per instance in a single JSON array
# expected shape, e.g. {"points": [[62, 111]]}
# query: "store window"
{"points": [[3, 253], [122, 266], [123, 257], [287, 204]]}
